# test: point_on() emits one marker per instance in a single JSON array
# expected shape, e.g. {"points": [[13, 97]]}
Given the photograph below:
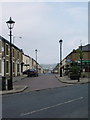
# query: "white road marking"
{"points": [[35, 111]]}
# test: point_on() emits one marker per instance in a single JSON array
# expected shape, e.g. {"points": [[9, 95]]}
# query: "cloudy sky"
{"points": [[42, 24]]}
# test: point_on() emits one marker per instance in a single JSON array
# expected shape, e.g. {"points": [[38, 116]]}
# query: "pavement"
{"points": [[66, 79], [16, 88], [18, 78], [20, 88]]}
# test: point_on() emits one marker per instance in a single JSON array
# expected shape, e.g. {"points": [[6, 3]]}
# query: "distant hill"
{"points": [[48, 66]]}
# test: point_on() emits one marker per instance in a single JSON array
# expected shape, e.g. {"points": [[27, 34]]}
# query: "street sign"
{"points": [[68, 60]]}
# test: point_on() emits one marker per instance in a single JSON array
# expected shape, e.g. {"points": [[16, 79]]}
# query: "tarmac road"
{"points": [[43, 81], [65, 102]]}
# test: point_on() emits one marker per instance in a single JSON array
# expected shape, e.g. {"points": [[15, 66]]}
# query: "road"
{"points": [[61, 102], [44, 81]]}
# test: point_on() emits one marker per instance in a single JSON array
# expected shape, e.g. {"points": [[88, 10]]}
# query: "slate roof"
{"points": [[85, 48], [6, 41]]}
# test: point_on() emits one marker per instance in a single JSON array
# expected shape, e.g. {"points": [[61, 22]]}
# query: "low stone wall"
{"points": [[86, 74]]}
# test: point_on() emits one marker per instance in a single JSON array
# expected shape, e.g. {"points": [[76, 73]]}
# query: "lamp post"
{"points": [[10, 25], [36, 59], [60, 41], [81, 57], [16, 37]]}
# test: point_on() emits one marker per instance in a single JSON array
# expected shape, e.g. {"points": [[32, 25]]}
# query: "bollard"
{"points": [[78, 78], [3, 83]]}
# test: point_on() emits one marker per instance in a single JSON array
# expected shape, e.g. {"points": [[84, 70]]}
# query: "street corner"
{"points": [[62, 79], [65, 79], [16, 89], [19, 78]]}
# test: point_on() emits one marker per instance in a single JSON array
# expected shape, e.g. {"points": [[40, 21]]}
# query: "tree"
{"points": [[74, 71], [80, 56]]}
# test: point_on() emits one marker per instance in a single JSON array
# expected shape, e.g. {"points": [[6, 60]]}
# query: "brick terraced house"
{"points": [[74, 56]]}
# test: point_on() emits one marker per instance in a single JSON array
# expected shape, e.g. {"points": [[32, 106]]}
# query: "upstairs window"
{"points": [[6, 49], [13, 52], [18, 54]]}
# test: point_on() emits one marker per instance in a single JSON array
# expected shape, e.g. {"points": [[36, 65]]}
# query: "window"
{"points": [[13, 52], [13, 67], [17, 67], [7, 67], [6, 49], [18, 54]]}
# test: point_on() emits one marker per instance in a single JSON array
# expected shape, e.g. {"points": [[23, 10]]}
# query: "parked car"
{"points": [[32, 73], [26, 72]]}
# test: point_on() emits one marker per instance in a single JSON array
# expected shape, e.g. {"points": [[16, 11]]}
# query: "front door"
{"points": [[2, 68]]}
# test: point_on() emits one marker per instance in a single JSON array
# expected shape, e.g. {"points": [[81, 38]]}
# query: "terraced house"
{"points": [[27, 62], [40, 69], [5, 58], [74, 56]]}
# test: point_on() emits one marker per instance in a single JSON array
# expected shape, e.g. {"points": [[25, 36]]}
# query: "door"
{"points": [[2, 68]]}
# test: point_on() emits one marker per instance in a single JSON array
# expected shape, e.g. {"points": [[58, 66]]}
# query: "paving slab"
{"points": [[16, 89], [18, 78], [65, 79]]}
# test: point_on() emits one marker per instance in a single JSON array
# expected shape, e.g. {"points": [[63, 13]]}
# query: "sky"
{"points": [[42, 24]]}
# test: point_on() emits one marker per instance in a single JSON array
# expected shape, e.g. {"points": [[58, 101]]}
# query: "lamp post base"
{"points": [[10, 87], [60, 75], [60, 72]]}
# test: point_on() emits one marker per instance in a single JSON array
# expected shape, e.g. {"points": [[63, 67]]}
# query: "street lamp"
{"points": [[10, 25], [36, 59], [60, 41], [15, 37], [81, 57]]}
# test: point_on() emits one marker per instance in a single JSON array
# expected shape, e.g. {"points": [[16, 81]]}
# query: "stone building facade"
{"points": [[74, 56], [5, 58], [26, 62], [20, 61]]}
